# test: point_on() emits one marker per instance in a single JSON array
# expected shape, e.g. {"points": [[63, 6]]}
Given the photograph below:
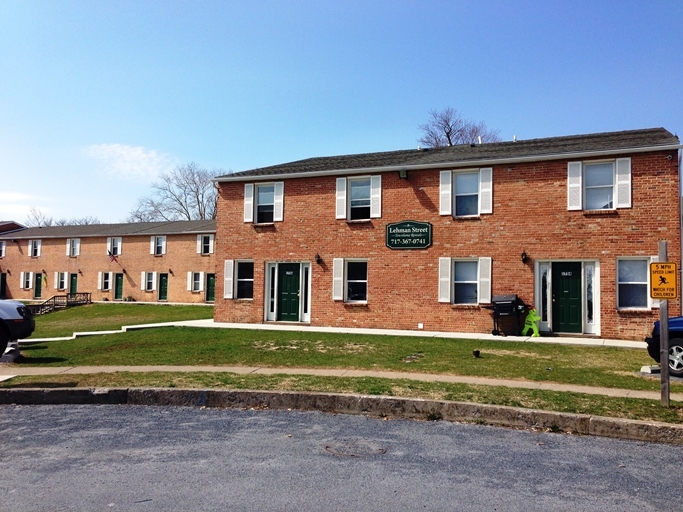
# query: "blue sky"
{"points": [[99, 97]]}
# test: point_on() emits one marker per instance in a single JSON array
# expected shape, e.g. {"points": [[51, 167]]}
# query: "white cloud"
{"points": [[133, 163], [15, 197], [15, 205]]}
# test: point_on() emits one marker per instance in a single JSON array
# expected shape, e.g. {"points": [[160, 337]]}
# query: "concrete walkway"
{"points": [[11, 371], [298, 327]]}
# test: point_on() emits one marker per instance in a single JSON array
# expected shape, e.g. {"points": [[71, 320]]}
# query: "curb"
{"points": [[377, 406]]}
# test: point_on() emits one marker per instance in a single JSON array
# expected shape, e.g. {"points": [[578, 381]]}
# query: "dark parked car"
{"points": [[16, 322], [675, 345]]}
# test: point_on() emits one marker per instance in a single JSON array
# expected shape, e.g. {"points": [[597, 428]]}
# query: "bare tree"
{"points": [[186, 193], [82, 221], [447, 128], [37, 218]]}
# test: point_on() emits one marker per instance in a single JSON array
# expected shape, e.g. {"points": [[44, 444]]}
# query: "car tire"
{"points": [[676, 357]]}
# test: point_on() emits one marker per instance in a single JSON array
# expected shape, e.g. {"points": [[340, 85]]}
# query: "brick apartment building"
{"points": [[425, 238], [144, 262]]}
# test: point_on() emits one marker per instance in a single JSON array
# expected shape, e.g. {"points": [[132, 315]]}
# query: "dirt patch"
{"points": [[311, 346], [514, 353], [413, 357]]}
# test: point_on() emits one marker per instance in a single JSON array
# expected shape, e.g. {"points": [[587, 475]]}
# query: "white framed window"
{"points": [[34, 248], [465, 281], [26, 280], [359, 198], [3, 248], [466, 193], [356, 273], [148, 281], [244, 279], [598, 189], [157, 245], [350, 280], [73, 247], [114, 246], [104, 281], [633, 283], [238, 279], [599, 185], [264, 202], [195, 281], [60, 280], [205, 244]]}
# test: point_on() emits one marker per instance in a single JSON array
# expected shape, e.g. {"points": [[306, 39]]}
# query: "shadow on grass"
{"points": [[38, 360]]}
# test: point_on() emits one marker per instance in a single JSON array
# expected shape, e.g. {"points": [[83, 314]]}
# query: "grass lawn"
{"points": [[593, 366], [105, 317], [629, 408]]}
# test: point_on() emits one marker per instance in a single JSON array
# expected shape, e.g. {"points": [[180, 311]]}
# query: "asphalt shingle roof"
{"points": [[464, 153], [9, 225], [127, 229]]}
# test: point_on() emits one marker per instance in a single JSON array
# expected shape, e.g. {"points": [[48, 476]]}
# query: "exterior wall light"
{"points": [[318, 259], [525, 257]]}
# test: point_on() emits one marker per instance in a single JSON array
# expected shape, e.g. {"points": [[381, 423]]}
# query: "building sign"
{"points": [[663, 281], [409, 234]]}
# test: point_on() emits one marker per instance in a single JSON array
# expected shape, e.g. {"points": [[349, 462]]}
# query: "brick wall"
{"points": [[530, 214], [181, 256]]}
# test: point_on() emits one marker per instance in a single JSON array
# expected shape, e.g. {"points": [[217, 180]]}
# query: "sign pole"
{"points": [[664, 335]]}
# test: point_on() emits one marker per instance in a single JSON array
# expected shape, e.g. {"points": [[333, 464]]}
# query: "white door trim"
{"points": [[271, 290], [545, 311]]}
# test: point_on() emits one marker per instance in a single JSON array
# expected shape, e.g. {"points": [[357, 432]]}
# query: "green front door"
{"points": [[38, 286], [288, 292], [163, 286], [118, 287], [210, 287], [567, 315], [73, 283]]}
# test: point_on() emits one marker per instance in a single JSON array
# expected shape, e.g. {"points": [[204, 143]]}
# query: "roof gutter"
{"points": [[455, 164]]}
